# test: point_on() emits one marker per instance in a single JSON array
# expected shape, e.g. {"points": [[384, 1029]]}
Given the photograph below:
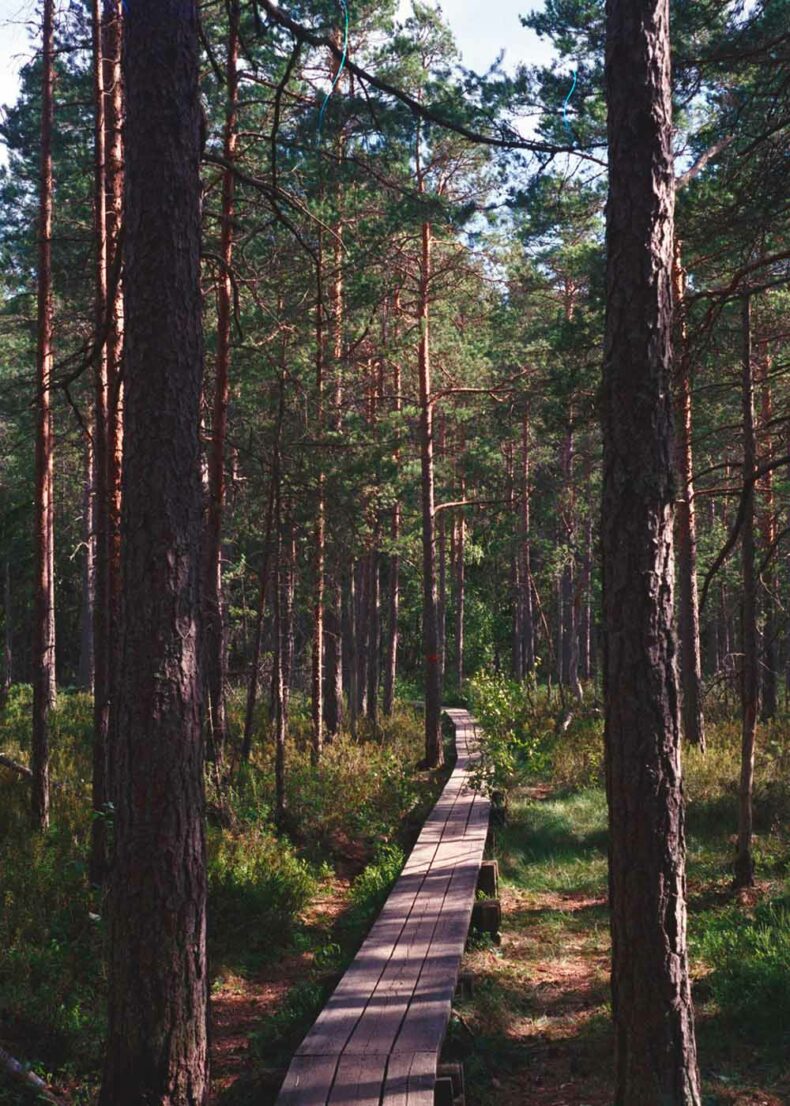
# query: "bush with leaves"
{"points": [[516, 736]]}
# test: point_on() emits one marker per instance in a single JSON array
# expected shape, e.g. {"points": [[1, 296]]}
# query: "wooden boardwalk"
{"points": [[377, 1040]]}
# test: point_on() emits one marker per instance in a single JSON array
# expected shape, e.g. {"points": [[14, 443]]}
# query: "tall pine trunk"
{"points": [[393, 573], [686, 525], [85, 666], [768, 698], [430, 599], [460, 593], [744, 860], [102, 629], [43, 658], [214, 632], [656, 1063], [158, 982], [319, 532], [527, 616]]}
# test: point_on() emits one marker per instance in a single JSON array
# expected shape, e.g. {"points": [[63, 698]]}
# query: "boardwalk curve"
{"points": [[378, 1039]]}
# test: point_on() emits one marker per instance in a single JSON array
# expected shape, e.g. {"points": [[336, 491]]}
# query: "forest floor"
{"points": [[537, 1026], [240, 1000]]}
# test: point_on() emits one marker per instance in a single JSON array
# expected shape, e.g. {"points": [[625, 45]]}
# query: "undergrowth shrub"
{"points": [[358, 795], [749, 958], [52, 981], [371, 887], [257, 886], [515, 736]]}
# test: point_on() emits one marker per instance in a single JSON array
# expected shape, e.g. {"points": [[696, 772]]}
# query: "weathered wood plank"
{"points": [[308, 1081], [410, 1079], [377, 1041]]}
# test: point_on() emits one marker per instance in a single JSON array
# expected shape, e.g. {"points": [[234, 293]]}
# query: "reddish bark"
{"points": [[744, 860], [43, 657], [686, 526], [214, 634]]}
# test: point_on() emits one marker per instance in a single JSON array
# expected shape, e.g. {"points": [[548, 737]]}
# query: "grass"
{"points": [[537, 1027]]}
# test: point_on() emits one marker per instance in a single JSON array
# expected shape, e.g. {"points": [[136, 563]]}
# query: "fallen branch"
{"points": [[15, 766], [29, 1078]]}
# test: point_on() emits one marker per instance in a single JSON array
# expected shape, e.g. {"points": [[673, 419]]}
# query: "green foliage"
{"points": [[358, 794], [370, 889], [51, 923], [749, 960], [513, 743], [257, 886], [51, 947]]}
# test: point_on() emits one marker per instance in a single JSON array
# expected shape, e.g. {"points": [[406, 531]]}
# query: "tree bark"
{"points": [[85, 666], [656, 1062], [393, 575], [158, 982], [43, 658], [102, 628], [214, 630], [527, 617], [362, 631], [350, 650], [374, 634], [744, 860], [280, 647], [768, 527], [430, 603], [317, 674], [112, 37], [8, 634], [686, 525], [333, 620], [460, 593], [252, 686]]}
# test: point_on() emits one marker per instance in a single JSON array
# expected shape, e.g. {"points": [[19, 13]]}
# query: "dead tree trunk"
{"points": [[43, 659], [744, 860], [158, 980], [656, 1063]]}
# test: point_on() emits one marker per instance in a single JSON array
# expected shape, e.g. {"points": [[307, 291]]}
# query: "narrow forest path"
{"points": [[380, 1034]]}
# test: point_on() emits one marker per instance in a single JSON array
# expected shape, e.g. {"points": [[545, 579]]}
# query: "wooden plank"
{"points": [[308, 1081], [346, 1006], [359, 1080], [376, 1042], [410, 1080]]}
